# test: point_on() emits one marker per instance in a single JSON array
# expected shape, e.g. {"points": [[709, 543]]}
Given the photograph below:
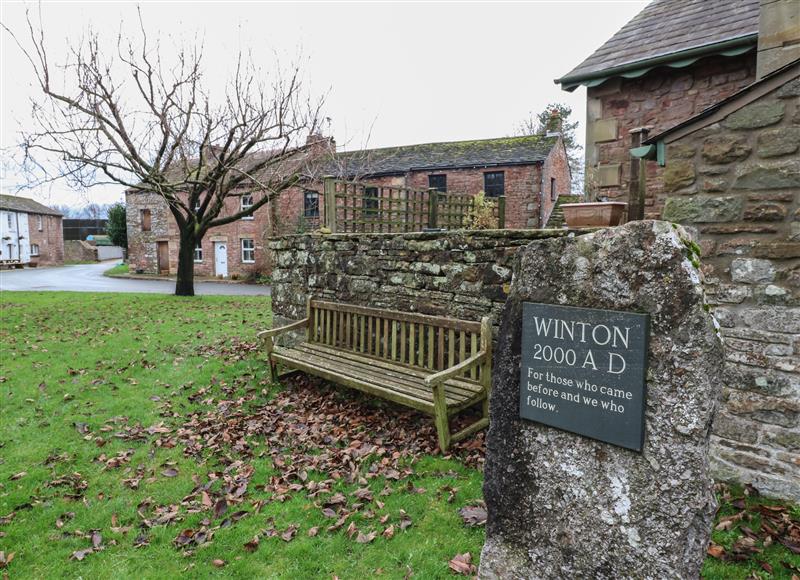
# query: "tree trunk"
{"points": [[184, 285]]}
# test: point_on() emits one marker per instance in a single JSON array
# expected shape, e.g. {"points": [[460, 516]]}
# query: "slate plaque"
{"points": [[583, 370]]}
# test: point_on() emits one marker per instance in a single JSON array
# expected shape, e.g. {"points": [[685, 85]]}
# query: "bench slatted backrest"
{"points": [[430, 343]]}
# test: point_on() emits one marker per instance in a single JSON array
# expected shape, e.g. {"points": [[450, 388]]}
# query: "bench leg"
{"points": [[442, 421], [272, 368]]}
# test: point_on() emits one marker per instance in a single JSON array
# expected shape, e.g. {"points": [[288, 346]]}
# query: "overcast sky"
{"points": [[395, 73]]}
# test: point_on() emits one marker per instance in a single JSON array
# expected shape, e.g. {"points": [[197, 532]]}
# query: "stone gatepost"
{"points": [[631, 496]]}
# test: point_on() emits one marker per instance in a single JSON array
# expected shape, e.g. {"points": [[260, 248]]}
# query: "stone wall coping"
{"points": [[489, 234]]}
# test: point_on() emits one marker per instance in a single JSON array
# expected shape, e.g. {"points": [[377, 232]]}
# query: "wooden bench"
{"points": [[435, 364]]}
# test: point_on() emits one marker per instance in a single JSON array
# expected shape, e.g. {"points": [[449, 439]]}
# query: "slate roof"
{"points": [[667, 27], [449, 155], [23, 204]]}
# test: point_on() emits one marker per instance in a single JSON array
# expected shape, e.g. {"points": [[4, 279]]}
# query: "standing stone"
{"points": [[565, 506]]}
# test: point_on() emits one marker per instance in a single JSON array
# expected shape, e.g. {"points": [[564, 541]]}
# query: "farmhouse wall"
{"points": [[738, 183], [527, 191], [50, 240], [143, 245]]}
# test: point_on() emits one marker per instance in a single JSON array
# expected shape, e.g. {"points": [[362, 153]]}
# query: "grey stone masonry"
{"points": [[744, 209], [464, 274], [561, 505]]}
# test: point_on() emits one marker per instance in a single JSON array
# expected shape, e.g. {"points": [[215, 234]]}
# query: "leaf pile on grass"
{"points": [[308, 428], [313, 426], [748, 526]]}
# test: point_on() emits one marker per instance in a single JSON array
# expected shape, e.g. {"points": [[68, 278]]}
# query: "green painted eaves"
{"points": [[677, 59]]}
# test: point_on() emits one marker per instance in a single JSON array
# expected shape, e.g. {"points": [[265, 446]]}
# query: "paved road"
{"points": [[89, 278]]}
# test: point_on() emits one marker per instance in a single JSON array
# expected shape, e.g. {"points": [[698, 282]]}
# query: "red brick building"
{"points": [[530, 172], [30, 233], [673, 60]]}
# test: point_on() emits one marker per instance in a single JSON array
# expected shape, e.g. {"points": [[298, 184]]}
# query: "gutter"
{"points": [[731, 47], [401, 172]]}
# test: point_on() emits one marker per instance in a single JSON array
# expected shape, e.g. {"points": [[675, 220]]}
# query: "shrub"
{"points": [[482, 214], [117, 227]]}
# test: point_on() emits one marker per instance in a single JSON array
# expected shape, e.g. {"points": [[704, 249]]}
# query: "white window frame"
{"points": [[39, 223], [245, 206], [198, 253], [245, 250], [34, 250]]}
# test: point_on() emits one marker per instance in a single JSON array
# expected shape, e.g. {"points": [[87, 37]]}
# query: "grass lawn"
{"points": [[138, 438], [119, 269]]}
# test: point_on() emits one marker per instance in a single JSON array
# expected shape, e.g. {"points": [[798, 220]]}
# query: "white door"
{"points": [[221, 259]]}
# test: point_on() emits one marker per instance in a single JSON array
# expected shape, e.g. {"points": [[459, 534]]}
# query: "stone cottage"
{"points": [[724, 121], [30, 233], [530, 171], [673, 60], [733, 172]]}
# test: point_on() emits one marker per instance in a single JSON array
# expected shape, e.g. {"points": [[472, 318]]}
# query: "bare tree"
{"points": [[145, 119]]}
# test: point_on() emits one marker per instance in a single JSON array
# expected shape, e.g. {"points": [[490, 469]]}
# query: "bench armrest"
{"points": [[464, 365], [276, 331]]}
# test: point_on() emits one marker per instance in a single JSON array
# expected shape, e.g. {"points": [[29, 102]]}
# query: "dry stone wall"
{"points": [[464, 274], [737, 183]]}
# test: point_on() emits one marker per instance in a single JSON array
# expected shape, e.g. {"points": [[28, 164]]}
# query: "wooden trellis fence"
{"points": [[357, 207]]}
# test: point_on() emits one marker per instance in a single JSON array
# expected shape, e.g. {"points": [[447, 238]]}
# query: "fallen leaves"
{"points": [[462, 564], [220, 508], [74, 482], [252, 545], [81, 554], [5, 559], [289, 534], [473, 515], [758, 524]]}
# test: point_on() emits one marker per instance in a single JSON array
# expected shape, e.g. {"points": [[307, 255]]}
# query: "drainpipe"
{"points": [[19, 252], [541, 198], [637, 185]]}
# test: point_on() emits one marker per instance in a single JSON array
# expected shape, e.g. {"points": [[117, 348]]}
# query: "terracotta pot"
{"points": [[597, 214]]}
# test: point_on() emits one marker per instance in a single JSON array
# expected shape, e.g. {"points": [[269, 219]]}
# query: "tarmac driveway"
{"points": [[89, 278]]}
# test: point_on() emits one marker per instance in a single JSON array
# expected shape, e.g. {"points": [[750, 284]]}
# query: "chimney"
{"points": [[320, 144], [555, 124], [778, 35], [212, 153]]}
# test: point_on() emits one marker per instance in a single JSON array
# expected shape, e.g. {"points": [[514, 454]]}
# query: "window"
{"points": [[310, 204], [552, 189], [198, 252], [438, 182], [39, 225], [8, 217], [34, 249], [248, 251], [145, 216], [247, 203], [494, 183], [370, 202]]}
